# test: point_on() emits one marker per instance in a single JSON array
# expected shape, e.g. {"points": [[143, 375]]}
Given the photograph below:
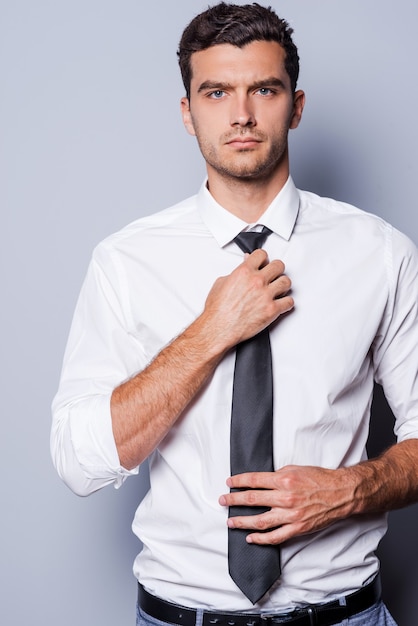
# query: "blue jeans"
{"points": [[377, 615]]}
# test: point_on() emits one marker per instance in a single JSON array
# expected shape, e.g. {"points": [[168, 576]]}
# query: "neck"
{"points": [[247, 199]]}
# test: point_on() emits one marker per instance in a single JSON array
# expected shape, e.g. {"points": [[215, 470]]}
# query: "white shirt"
{"points": [[354, 282]]}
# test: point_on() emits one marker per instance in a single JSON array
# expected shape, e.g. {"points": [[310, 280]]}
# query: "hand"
{"points": [[301, 499], [248, 300]]}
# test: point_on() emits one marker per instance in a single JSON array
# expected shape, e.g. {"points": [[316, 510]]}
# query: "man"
{"points": [[168, 303]]}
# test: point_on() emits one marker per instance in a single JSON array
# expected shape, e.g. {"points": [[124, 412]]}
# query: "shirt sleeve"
{"points": [[100, 354], [395, 350]]}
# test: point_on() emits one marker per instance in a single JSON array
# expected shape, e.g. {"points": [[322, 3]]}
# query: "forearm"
{"points": [[387, 482], [145, 407]]}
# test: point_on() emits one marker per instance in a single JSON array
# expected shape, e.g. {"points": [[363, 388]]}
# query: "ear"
{"points": [[298, 104], [187, 117]]}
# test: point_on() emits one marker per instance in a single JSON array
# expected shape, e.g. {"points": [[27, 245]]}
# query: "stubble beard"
{"points": [[239, 166]]}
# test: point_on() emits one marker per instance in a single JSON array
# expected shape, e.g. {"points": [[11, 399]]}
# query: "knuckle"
{"points": [[285, 304], [258, 281], [289, 500], [251, 498], [279, 265], [244, 269], [288, 484], [275, 540], [261, 523], [271, 309], [294, 516], [285, 281]]}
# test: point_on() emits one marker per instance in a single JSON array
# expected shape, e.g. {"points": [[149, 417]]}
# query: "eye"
{"points": [[217, 94], [265, 91]]}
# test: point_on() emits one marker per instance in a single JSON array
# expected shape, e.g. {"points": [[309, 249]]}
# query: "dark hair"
{"points": [[237, 25]]}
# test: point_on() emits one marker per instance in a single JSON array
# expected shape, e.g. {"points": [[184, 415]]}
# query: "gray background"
{"points": [[90, 139]]}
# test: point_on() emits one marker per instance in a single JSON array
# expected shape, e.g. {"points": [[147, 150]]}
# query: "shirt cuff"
{"points": [[93, 441]]}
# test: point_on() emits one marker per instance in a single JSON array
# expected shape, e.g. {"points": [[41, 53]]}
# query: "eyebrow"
{"points": [[271, 81]]}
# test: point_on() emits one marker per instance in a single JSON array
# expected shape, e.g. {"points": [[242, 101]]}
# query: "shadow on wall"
{"points": [[398, 551]]}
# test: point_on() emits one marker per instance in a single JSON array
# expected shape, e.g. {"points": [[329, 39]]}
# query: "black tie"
{"points": [[254, 568]]}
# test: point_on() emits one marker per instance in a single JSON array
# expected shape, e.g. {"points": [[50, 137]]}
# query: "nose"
{"points": [[242, 113]]}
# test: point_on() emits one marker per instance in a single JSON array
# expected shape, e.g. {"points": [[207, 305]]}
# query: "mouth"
{"points": [[243, 142]]}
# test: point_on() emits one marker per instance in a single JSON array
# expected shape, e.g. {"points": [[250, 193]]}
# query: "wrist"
{"points": [[211, 339], [367, 486]]}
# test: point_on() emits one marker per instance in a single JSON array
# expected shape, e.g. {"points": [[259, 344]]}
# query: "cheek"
{"points": [[210, 119], [205, 132], [280, 117]]}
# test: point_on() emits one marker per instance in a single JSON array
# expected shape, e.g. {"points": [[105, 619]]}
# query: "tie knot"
{"points": [[250, 240]]}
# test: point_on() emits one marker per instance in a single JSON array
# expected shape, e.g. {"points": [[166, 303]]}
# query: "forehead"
{"points": [[226, 63]]}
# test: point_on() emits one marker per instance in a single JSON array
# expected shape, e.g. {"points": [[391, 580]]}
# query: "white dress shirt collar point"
{"points": [[280, 216]]}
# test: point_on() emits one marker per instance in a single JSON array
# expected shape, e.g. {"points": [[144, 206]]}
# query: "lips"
{"points": [[243, 142]]}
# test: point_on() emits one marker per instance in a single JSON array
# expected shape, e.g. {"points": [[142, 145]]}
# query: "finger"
{"points": [[272, 270], [273, 537], [280, 534], [253, 480], [268, 520], [272, 532], [280, 286], [257, 259], [250, 497], [283, 304]]}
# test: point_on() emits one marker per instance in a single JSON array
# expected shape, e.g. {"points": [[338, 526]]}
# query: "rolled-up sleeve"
{"points": [[100, 354]]}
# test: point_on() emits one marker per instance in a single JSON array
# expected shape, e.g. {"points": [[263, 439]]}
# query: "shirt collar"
{"points": [[280, 216]]}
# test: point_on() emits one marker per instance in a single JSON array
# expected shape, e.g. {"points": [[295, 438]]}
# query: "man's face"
{"points": [[240, 109]]}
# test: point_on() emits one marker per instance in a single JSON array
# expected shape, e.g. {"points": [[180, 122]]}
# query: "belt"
{"points": [[311, 615]]}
